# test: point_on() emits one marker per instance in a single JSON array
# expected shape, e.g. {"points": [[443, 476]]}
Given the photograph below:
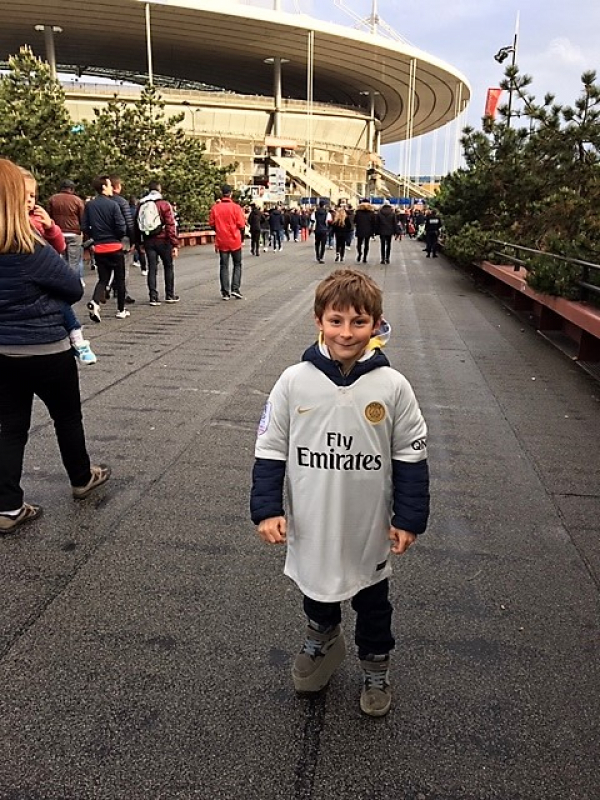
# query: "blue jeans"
{"points": [[73, 255], [373, 633], [55, 380], [230, 285]]}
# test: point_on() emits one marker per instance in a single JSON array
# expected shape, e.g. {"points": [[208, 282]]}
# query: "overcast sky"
{"points": [[557, 42]]}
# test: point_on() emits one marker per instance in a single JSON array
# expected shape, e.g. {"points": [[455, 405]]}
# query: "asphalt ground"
{"points": [[146, 634]]}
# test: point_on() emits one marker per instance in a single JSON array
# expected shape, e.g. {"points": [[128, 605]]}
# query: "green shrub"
{"points": [[470, 245], [549, 276]]}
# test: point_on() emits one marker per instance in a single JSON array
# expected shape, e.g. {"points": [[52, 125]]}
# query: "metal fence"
{"points": [[512, 253]]}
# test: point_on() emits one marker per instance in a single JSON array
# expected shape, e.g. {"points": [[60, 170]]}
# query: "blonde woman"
{"points": [[341, 227], [35, 354]]}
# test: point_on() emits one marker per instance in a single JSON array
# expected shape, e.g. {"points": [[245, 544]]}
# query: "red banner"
{"points": [[491, 102]]}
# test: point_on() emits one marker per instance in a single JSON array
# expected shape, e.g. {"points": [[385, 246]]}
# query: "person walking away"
{"points": [[104, 223], [321, 223], [286, 223], [276, 227], [227, 220], [254, 223], [364, 223], [386, 228], [156, 230], [350, 213], [295, 223], [304, 225], [265, 230], [129, 238], [35, 355], [42, 223], [66, 209], [357, 479], [433, 227], [139, 258], [341, 225]]}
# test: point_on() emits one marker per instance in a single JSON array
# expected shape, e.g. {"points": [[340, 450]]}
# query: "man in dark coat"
{"points": [[386, 228], [364, 223]]}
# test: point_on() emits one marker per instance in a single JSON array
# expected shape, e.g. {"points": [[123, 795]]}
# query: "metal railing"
{"points": [[587, 267]]}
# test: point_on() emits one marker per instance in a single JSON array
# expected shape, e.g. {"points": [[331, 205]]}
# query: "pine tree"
{"points": [[35, 127]]}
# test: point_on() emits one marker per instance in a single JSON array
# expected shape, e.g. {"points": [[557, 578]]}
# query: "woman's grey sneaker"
{"points": [[27, 513], [100, 474], [320, 656], [376, 696]]}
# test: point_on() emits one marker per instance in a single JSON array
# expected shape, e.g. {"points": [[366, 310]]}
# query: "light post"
{"points": [[49, 31], [500, 57], [277, 62]]}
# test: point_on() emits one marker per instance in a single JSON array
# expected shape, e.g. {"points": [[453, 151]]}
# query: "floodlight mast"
{"points": [[373, 23]]}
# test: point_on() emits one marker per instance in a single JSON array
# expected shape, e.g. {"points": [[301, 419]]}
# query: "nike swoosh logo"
{"points": [[303, 410]]}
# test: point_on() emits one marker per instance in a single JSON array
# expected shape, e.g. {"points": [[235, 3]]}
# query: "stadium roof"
{"points": [[225, 44]]}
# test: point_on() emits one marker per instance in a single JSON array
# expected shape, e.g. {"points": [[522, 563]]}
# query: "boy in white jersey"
{"points": [[343, 432]]}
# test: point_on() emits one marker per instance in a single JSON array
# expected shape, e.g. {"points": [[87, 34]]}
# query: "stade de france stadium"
{"points": [[275, 92]]}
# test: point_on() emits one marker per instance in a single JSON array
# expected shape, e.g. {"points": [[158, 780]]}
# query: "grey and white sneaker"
{"points": [[320, 656], [376, 695]]}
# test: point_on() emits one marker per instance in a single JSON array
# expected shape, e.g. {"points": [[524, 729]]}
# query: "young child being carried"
{"points": [[49, 231], [344, 432]]}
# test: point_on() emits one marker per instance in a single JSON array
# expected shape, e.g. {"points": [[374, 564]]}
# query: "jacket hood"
{"points": [[154, 195], [386, 211], [364, 207], [373, 358]]}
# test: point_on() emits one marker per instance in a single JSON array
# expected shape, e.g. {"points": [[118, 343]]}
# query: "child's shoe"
{"points": [[321, 654], [376, 696], [84, 352]]}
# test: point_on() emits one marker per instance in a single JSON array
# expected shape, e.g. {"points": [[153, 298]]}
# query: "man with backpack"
{"points": [[156, 229]]}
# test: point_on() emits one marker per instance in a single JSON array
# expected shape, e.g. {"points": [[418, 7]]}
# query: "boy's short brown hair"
{"points": [[349, 288]]}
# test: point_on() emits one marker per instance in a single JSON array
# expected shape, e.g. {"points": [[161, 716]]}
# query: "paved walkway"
{"points": [[146, 635]]}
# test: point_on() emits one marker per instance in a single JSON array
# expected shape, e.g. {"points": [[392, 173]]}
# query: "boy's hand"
{"points": [[273, 530], [402, 540]]}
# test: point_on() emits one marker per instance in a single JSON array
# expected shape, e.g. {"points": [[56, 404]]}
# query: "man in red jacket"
{"points": [[228, 221]]}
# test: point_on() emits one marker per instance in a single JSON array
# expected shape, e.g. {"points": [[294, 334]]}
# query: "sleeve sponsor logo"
{"points": [[265, 419], [375, 413], [419, 444]]}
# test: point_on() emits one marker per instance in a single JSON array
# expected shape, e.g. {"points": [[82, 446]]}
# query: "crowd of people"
{"points": [[337, 227]]}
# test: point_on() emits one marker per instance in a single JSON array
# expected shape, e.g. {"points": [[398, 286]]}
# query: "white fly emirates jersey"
{"points": [[338, 443]]}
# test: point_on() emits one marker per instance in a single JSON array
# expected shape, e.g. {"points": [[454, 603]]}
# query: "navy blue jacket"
{"points": [[33, 288], [127, 215], [275, 220], [321, 225], [103, 220], [410, 481]]}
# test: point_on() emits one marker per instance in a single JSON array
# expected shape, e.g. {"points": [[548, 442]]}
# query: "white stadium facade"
{"points": [[277, 93]]}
